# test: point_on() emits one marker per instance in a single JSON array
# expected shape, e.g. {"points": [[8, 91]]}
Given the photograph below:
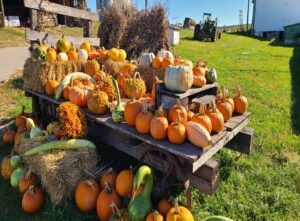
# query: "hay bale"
{"points": [[113, 67], [149, 74], [61, 171], [37, 72], [135, 31]]}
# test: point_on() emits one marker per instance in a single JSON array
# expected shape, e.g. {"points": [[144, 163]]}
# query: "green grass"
{"points": [[262, 186]]}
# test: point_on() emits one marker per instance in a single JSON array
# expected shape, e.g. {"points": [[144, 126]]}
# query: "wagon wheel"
{"points": [[176, 165]]}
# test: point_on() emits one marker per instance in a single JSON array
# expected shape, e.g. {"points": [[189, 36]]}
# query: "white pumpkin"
{"points": [[165, 54], [82, 55], [198, 135], [146, 59], [179, 78], [62, 56]]}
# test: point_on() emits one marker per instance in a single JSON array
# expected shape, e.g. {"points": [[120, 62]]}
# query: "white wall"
{"points": [[273, 15]]}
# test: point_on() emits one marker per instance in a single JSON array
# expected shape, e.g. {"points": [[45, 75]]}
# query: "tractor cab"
{"points": [[207, 29]]}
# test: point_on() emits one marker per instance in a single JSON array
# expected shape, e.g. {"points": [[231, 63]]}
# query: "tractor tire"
{"points": [[197, 32]]}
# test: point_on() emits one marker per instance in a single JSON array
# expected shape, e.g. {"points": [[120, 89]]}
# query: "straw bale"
{"points": [[149, 74]]}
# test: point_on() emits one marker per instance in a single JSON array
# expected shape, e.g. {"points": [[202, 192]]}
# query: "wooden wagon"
{"points": [[194, 166]]}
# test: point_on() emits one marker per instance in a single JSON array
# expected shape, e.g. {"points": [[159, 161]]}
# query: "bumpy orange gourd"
{"points": [[199, 69], [225, 108], [9, 136], [177, 111], [217, 119], [179, 213], [124, 183], [143, 120], [6, 168], [135, 87], [105, 199], [27, 181], [202, 119], [50, 87], [240, 102], [155, 216], [176, 132], [97, 102], [91, 67], [164, 207], [100, 74], [110, 176], [78, 94], [86, 195], [199, 81], [128, 68], [157, 62], [102, 53], [159, 125], [32, 200], [132, 108]]}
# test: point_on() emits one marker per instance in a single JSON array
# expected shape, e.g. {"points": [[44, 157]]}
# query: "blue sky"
{"points": [[227, 11]]}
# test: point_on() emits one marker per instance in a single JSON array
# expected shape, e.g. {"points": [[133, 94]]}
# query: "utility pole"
{"points": [[146, 6], [3, 14], [248, 16]]}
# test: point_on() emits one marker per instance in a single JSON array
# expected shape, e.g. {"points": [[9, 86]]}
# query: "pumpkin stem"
{"points": [[177, 210], [145, 109], [28, 174], [239, 91], [108, 188], [23, 110], [31, 190], [224, 95], [160, 111], [90, 183], [214, 107], [155, 214], [115, 209], [202, 109]]}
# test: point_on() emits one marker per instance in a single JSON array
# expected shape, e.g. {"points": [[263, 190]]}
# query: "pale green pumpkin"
{"points": [[179, 78], [146, 59]]}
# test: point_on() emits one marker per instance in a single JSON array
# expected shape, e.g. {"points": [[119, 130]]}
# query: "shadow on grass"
{"points": [[295, 94]]}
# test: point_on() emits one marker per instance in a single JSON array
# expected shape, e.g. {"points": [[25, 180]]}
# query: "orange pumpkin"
{"points": [[92, 54], [164, 206], [153, 90], [86, 195], [110, 176], [105, 199], [9, 136], [50, 87], [102, 53], [190, 114], [199, 81], [240, 102], [21, 118], [100, 74], [143, 120], [181, 213], [229, 100], [159, 125], [132, 108], [6, 168], [178, 111], [32, 200], [66, 92], [166, 62], [155, 216], [225, 108], [78, 95], [202, 119], [97, 102], [27, 181], [199, 69], [157, 62], [128, 68], [176, 132], [217, 119], [72, 54], [124, 183], [219, 95]]}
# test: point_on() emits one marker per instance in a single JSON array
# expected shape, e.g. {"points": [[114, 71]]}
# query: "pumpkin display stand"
{"points": [[59, 171], [200, 168]]}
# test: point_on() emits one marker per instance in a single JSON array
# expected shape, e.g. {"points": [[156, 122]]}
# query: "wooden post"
{"points": [[87, 29], [248, 16], [3, 13], [34, 18]]}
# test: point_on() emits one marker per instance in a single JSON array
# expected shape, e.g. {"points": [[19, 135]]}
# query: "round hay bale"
{"points": [[149, 74]]}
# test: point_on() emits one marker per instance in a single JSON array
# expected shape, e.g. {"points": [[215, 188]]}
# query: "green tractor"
{"points": [[208, 29]]}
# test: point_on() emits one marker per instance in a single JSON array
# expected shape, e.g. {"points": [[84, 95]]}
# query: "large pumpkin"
{"points": [[177, 113], [124, 183], [78, 95], [97, 102], [143, 120], [159, 125], [240, 102], [105, 199], [176, 133], [86, 194], [178, 78], [135, 87], [6, 168], [225, 108], [132, 108], [146, 59], [27, 181], [217, 119], [110, 176], [32, 200]]}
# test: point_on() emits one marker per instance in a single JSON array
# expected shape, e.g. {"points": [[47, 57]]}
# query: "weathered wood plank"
{"points": [[235, 121], [206, 100], [34, 18], [243, 141], [209, 170], [52, 39], [188, 93], [87, 29], [60, 9]]}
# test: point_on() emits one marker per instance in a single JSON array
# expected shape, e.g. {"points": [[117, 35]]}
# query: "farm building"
{"points": [[106, 3], [272, 16]]}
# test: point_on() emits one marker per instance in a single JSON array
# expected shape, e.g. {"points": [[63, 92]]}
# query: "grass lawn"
{"points": [[262, 186], [14, 37]]}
